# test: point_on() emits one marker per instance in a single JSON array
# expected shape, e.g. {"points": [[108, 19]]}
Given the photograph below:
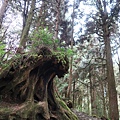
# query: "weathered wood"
{"points": [[26, 87]]}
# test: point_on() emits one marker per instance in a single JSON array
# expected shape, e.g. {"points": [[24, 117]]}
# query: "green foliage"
{"points": [[60, 55], [2, 53], [42, 37], [68, 52], [2, 49]]}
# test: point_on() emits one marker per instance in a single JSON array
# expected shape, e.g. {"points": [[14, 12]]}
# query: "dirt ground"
{"points": [[84, 116]]}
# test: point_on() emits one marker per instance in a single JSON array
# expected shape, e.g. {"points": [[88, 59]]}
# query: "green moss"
{"points": [[5, 109], [94, 115], [71, 115], [63, 104], [61, 57]]}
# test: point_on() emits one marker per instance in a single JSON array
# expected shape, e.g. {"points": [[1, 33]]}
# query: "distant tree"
{"points": [[69, 28], [69, 89]]}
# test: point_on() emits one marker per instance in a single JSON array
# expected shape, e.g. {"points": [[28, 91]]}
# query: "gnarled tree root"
{"points": [[26, 87]]}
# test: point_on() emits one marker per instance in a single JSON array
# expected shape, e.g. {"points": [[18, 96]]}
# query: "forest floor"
{"points": [[84, 116]]}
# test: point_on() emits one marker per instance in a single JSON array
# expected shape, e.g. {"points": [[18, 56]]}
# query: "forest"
{"points": [[59, 59]]}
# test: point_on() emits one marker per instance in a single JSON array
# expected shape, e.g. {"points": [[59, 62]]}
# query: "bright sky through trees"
{"points": [[15, 21]]}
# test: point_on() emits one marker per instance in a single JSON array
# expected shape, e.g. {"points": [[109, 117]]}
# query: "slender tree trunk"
{"points": [[93, 99], [27, 25], [80, 100], [25, 12], [40, 21], [118, 63], [57, 18], [88, 97], [71, 58], [58, 2], [103, 99], [103, 88], [74, 93], [3, 10], [92, 92]]}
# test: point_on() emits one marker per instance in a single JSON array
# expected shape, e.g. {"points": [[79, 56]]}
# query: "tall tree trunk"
{"points": [[113, 103], [27, 25], [106, 23], [2, 11]]}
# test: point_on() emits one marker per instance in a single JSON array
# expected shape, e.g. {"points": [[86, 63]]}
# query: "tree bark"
{"points": [[25, 12], [26, 28], [113, 103]]}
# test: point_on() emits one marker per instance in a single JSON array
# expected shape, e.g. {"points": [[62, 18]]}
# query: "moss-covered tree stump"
{"points": [[27, 89]]}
